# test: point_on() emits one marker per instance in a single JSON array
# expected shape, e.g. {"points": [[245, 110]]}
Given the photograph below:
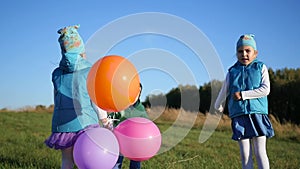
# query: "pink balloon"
{"points": [[139, 138], [96, 148]]}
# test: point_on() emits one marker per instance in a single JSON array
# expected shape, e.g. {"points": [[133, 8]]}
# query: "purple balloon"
{"points": [[96, 148]]}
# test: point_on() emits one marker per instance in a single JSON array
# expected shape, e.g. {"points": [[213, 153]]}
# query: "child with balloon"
{"points": [[135, 110], [74, 112]]}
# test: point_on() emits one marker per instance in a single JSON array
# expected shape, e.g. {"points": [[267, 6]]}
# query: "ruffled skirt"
{"points": [[252, 125], [65, 140]]}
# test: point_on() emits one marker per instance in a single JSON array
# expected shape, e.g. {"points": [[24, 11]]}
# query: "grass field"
{"points": [[23, 134]]}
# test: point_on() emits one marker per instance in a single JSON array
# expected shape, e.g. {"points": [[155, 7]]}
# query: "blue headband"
{"points": [[246, 40]]}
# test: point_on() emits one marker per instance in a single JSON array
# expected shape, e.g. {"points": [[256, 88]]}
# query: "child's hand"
{"points": [[237, 96], [108, 123], [104, 121], [219, 110]]}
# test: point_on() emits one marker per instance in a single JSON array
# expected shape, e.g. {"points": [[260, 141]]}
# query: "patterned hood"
{"points": [[71, 47]]}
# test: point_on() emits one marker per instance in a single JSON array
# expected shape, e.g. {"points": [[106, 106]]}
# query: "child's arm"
{"points": [[102, 115], [263, 90], [220, 102]]}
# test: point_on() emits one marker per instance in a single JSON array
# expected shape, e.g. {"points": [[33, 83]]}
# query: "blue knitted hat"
{"points": [[246, 40]]}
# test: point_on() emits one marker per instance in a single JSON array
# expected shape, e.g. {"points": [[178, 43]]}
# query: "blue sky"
{"points": [[30, 51]]}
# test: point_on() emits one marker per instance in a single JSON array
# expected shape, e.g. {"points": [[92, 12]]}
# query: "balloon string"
{"points": [[184, 160]]}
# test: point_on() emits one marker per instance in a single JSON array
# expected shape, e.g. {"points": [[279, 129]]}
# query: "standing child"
{"points": [[73, 110], [246, 87], [135, 110]]}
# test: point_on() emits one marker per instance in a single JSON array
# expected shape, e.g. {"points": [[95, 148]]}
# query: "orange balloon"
{"points": [[113, 83]]}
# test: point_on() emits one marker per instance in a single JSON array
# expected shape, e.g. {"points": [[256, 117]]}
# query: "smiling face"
{"points": [[246, 54]]}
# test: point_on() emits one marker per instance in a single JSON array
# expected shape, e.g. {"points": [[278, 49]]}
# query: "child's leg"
{"points": [[67, 158], [135, 164], [246, 153], [118, 165], [260, 152]]}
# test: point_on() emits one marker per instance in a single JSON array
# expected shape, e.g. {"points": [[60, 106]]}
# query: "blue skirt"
{"points": [[252, 125]]}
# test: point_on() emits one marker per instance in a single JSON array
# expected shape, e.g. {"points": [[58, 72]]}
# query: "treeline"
{"points": [[284, 98], [36, 109]]}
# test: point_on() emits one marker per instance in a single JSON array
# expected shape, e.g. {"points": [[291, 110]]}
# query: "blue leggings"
{"points": [[133, 164]]}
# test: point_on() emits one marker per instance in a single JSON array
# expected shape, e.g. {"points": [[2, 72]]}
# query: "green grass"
{"points": [[22, 135], [21, 141]]}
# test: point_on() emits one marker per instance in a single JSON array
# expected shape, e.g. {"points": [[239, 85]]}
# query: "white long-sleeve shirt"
{"points": [[263, 90], [102, 114]]}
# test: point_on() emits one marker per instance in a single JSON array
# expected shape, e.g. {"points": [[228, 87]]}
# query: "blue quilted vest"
{"points": [[73, 110], [242, 78]]}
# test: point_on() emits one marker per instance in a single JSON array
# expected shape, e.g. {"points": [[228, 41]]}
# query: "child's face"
{"points": [[246, 54]]}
